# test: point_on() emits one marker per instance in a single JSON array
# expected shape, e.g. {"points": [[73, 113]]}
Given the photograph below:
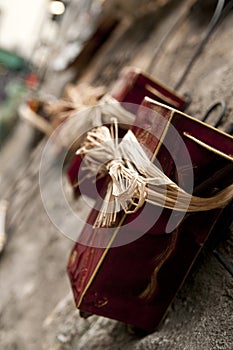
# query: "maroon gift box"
{"points": [[133, 85], [131, 88], [136, 282]]}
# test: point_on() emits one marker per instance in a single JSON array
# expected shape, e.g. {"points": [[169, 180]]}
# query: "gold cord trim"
{"points": [[162, 137], [161, 96], [100, 261], [208, 147]]}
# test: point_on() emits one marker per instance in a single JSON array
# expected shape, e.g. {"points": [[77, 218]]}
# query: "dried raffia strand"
{"points": [[26, 113], [77, 98], [135, 179], [73, 130], [3, 237]]}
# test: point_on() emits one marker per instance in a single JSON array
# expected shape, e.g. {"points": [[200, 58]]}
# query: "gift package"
{"points": [[130, 89], [162, 190]]}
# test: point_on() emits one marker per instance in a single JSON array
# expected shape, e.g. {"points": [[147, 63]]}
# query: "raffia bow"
{"points": [[135, 179]]}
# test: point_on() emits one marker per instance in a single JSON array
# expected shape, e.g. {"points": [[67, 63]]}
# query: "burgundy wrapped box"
{"points": [[131, 87], [136, 282]]}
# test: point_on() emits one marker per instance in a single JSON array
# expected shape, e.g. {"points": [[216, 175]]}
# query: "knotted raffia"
{"points": [[135, 179], [76, 127], [76, 99]]}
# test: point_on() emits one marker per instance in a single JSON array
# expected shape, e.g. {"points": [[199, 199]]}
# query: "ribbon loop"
{"points": [[135, 179]]}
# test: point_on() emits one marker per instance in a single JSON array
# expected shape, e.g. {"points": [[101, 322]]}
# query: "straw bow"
{"points": [[134, 179]]}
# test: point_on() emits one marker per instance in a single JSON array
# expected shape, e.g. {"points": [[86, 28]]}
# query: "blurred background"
{"points": [[45, 44], [38, 38], [20, 25]]}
